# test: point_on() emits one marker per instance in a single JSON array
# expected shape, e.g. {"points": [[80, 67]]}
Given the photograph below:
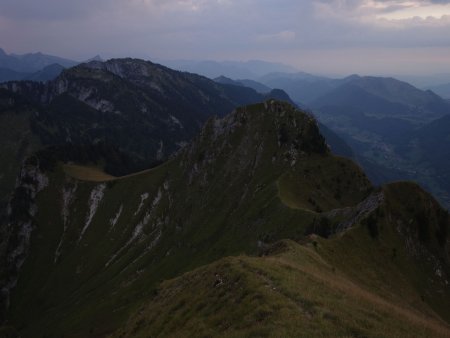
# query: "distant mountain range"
{"points": [[47, 73], [34, 66], [232, 69], [383, 97], [31, 62], [302, 87]]}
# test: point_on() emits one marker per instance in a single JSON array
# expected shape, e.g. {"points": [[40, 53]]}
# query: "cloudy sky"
{"points": [[322, 36]]}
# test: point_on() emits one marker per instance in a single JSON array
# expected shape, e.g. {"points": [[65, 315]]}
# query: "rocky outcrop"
{"points": [[360, 212], [94, 200]]}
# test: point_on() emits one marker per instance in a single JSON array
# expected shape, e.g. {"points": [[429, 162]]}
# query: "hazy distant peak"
{"points": [[443, 90], [224, 79], [352, 77], [275, 76], [54, 65], [48, 73], [96, 58]]}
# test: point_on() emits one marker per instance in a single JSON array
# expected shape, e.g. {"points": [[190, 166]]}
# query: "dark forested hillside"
{"points": [[144, 110]]}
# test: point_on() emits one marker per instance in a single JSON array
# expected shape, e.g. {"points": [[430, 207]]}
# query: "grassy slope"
{"points": [[96, 174], [91, 174], [219, 197], [188, 225], [354, 284], [321, 184], [292, 293]]}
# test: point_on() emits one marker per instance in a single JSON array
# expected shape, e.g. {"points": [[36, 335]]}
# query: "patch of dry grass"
{"points": [[85, 173]]}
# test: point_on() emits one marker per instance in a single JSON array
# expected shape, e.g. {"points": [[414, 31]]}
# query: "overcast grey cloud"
{"points": [[326, 36]]}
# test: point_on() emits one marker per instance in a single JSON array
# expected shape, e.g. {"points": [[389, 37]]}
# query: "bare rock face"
{"points": [[17, 232]]}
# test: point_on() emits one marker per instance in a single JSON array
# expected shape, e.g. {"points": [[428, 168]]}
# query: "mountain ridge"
{"points": [[259, 87], [31, 62], [442, 90], [277, 180]]}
